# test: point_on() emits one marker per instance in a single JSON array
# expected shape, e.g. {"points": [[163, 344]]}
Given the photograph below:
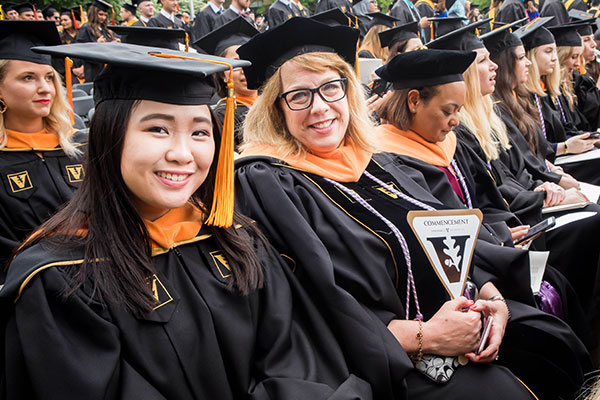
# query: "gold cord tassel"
{"points": [[187, 42], [221, 213], [69, 83]]}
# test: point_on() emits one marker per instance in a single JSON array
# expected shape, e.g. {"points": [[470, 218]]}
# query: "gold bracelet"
{"points": [[417, 357]]}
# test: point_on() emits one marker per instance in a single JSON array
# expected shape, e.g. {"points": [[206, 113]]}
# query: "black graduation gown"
{"points": [[510, 11], [160, 21], [534, 163], [560, 125], [205, 22], [85, 35], [324, 5], [402, 11], [229, 15], [141, 23], [576, 5], [202, 340], [588, 99], [556, 9], [33, 189], [425, 10], [240, 115], [330, 235], [569, 246], [517, 191], [278, 13]]}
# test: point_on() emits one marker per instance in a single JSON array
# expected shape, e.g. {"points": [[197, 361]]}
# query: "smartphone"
{"points": [[593, 135], [485, 334], [537, 230]]}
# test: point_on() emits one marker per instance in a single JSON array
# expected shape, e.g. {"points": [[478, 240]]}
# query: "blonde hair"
{"points": [[372, 43], [479, 116], [567, 86], [265, 122], [57, 120], [551, 81]]}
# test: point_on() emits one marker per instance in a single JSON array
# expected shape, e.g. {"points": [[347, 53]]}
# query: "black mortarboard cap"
{"points": [[443, 25], [566, 35], [48, 11], [138, 2], [585, 27], [399, 33], [501, 38], [534, 34], [153, 37], [134, 74], [8, 7], [269, 50], [463, 38], [18, 37], [235, 32], [333, 17], [130, 7], [425, 68], [379, 18], [76, 12], [23, 7], [578, 15], [102, 5]]}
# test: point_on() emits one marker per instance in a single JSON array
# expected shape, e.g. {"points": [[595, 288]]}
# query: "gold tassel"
{"points": [[221, 211], [69, 83], [187, 42], [83, 16], [1, 13]]}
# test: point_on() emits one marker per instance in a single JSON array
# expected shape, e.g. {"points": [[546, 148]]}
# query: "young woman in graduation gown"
{"points": [[147, 284], [309, 178], [95, 30], [543, 86], [223, 42], [40, 157]]}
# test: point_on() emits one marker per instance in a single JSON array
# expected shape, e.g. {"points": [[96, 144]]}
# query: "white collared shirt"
{"points": [[216, 9], [166, 14]]}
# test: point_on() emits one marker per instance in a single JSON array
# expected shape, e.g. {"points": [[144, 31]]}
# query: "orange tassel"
{"points": [[34, 12], [431, 29], [178, 6], [113, 14], [221, 211], [69, 83], [75, 24], [581, 67], [187, 42]]}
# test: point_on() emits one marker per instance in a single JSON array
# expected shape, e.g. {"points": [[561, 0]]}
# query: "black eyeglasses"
{"points": [[330, 92]]}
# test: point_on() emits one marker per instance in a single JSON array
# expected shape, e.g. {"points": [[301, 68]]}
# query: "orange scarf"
{"points": [[344, 164], [246, 100], [42, 139], [408, 143], [177, 225]]}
